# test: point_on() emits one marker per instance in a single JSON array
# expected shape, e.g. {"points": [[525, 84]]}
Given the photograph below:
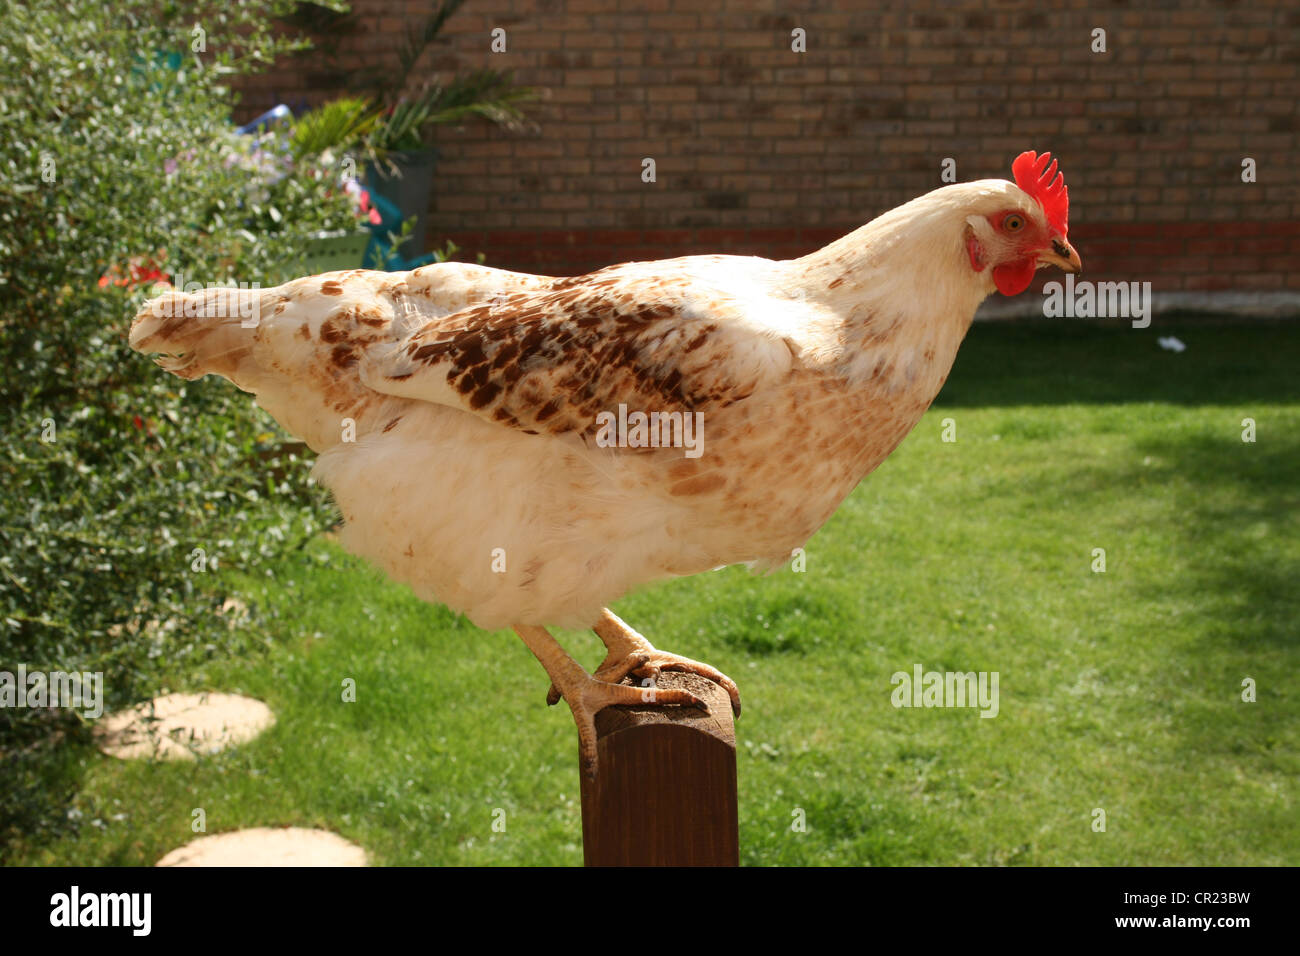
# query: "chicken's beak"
{"points": [[1061, 254]]}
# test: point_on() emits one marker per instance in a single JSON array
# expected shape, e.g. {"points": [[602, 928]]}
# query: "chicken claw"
{"points": [[631, 654], [588, 695], [593, 695]]}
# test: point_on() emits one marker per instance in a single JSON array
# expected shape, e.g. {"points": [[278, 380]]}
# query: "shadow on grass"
{"points": [[1236, 508], [1059, 362], [44, 764], [1234, 503], [1241, 495]]}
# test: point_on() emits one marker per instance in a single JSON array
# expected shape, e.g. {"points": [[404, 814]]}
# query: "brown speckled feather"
{"points": [[550, 361]]}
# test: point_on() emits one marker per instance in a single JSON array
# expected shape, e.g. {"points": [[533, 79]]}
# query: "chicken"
{"points": [[527, 449]]}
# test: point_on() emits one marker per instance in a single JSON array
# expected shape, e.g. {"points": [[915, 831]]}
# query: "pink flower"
{"points": [[363, 200]]}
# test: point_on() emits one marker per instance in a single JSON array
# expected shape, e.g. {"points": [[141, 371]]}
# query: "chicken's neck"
{"points": [[896, 297]]}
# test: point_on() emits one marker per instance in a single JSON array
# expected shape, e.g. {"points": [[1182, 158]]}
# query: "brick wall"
{"points": [[761, 150]]}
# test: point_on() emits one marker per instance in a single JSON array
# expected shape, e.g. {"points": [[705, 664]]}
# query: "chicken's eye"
{"points": [[1013, 222]]}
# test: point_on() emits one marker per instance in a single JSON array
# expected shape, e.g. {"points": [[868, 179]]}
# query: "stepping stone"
{"points": [[178, 726], [268, 846]]}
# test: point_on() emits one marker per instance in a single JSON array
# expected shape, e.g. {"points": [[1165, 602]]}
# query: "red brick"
{"points": [[1150, 134]]}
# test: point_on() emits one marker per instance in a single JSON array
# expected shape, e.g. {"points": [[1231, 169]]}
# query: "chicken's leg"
{"points": [[587, 694], [630, 653]]}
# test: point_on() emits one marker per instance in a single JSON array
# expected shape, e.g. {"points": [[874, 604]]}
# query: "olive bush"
{"points": [[127, 497]]}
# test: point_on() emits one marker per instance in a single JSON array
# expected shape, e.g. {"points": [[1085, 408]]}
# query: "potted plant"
{"points": [[325, 134], [403, 156]]}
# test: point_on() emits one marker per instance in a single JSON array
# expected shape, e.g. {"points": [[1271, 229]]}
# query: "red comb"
{"points": [[1037, 176]]}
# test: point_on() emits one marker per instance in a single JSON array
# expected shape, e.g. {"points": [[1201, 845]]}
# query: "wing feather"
{"points": [[550, 361]]}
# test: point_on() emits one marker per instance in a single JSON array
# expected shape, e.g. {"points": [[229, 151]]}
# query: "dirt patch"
{"points": [[180, 726], [268, 846]]}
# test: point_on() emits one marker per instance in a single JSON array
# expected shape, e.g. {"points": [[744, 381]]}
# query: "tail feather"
{"points": [[192, 334], [298, 346]]}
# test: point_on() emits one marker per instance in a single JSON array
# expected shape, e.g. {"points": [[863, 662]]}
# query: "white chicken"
{"points": [[526, 449]]}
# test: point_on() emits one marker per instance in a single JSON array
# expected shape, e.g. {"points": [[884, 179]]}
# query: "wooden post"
{"points": [[665, 787]]}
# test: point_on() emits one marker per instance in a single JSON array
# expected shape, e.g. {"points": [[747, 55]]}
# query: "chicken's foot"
{"points": [[631, 653], [587, 695]]}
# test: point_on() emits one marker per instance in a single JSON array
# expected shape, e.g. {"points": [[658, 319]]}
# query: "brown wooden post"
{"points": [[665, 787]]}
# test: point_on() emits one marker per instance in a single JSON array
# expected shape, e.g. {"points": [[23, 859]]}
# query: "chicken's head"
{"points": [[1027, 231]]}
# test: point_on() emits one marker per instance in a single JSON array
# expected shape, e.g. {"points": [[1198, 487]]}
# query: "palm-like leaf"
{"points": [[339, 125], [489, 94], [417, 40]]}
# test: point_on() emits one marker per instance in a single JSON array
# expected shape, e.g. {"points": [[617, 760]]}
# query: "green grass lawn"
{"points": [[1118, 690]]}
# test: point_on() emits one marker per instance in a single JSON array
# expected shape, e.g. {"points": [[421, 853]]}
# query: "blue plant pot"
{"points": [[408, 190]]}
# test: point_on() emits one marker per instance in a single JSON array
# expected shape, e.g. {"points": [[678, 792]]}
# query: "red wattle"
{"points": [[1013, 278]]}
